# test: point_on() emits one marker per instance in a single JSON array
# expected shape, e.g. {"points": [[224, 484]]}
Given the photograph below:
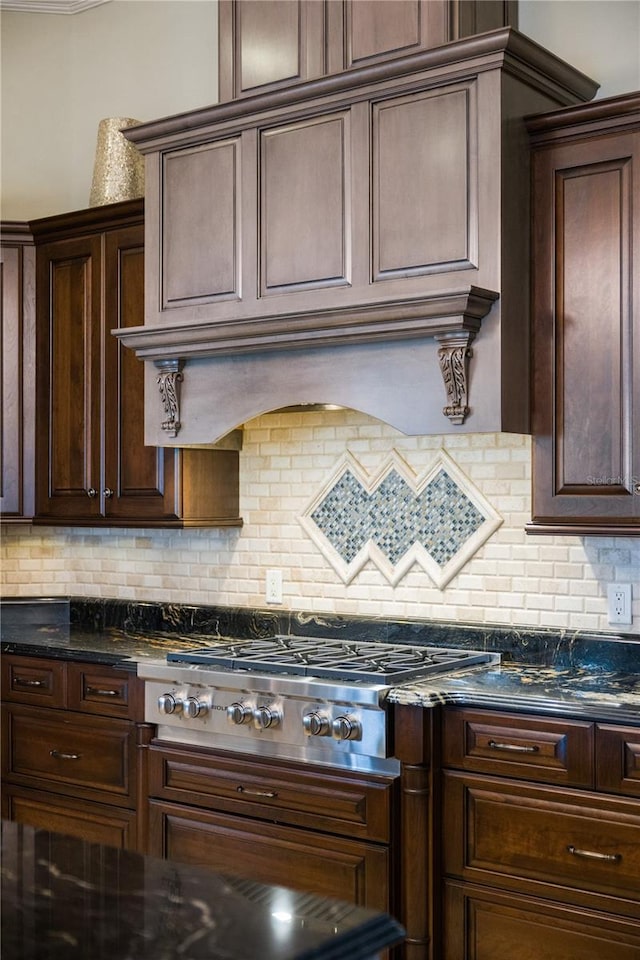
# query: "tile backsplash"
{"points": [[289, 466]]}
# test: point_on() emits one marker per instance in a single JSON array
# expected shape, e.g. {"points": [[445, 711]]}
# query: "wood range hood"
{"points": [[359, 240]]}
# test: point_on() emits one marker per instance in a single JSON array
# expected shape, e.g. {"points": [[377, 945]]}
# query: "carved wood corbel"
{"points": [[454, 353], [169, 380]]}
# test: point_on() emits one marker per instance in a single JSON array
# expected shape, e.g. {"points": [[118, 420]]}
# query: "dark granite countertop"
{"points": [[66, 898], [571, 673], [608, 695]]}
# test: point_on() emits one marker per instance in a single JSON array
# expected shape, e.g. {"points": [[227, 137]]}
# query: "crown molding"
{"points": [[49, 6]]}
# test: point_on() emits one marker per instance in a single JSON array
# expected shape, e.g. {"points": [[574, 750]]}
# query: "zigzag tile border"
{"points": [[396, 518]]}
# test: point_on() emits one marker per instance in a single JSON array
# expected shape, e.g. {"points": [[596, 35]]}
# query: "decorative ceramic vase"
{"points": [[118, 172]]}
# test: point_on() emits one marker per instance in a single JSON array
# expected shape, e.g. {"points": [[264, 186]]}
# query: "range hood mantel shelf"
{"points": [[435, 316]]}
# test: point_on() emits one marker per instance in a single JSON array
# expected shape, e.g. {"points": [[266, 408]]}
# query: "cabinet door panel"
{"points": [[592, 274], [586, 328], [201, 236], [424, 185], [329, 866], [141, 478], [377, 29], [489, 925], [17, 373], [305, 206], [68, 475]]}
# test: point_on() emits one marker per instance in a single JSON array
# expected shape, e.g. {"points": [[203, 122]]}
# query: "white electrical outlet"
{"points": [[273, 587], [619, 598]]}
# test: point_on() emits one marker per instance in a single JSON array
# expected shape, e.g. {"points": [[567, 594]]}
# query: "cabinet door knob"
{"points": [[92, 492], [637, 488], [107, 492]]}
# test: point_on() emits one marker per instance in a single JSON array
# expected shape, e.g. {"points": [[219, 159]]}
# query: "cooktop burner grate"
{"points": [[357, 661]]}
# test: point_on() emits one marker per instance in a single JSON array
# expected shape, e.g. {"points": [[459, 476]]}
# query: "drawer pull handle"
{"points": [[594, 855], [26, 682], [250, 791], [513, 747], [59, 755], [101, 693]]}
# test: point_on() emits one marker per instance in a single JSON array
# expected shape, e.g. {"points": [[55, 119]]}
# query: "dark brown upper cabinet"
{"points": [[92, 465], [360, 240], [269, 44], [586, 319], [17, 371]]}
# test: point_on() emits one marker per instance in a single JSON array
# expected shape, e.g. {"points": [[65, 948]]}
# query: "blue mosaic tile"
{"points": [[441, 517]]}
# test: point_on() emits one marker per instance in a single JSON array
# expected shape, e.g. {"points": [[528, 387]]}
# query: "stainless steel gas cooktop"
{"points": [[311, 699], [356, 661]]}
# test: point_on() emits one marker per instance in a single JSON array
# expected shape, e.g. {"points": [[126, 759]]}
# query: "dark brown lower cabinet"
{"points": [[72, 747], [274, 821], [488, 924], [541, 849]]}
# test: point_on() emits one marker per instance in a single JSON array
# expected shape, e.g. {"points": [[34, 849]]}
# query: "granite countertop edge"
{"points": [[584, 691]]}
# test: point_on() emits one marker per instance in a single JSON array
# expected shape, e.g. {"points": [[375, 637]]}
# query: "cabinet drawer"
{"points": [[502, 832], [32, 680], [104, 690], [93, 822], [618, 759], [529, 748], [345, 803], [489, 925], [270, 853], [85, 756]]}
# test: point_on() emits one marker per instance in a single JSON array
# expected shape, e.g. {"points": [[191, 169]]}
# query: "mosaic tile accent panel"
{"points": [[396, 519]]}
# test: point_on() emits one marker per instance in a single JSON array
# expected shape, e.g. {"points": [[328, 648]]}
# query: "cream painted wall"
{"points": [[61, 74], [599, 37], [146, 59]]}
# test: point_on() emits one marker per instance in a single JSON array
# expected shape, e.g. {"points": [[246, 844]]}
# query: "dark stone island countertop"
{"points": [[591, 675], [67, 899]]}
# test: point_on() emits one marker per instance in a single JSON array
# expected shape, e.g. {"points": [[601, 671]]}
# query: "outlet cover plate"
{"points": [[619, 602]]}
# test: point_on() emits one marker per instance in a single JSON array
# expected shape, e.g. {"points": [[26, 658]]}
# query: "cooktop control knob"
{"points": [[167, 703], [346, 728], [195, 708], [238, 713], [316, 725], [264, 717]]}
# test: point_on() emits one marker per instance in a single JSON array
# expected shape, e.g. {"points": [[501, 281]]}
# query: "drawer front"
{"points": [[348, 804], [490, 925], [32, 680], [87, 756], [104, 691], [93, 822], [618, 759], [500, 831], [511, 745], [269, 853]]}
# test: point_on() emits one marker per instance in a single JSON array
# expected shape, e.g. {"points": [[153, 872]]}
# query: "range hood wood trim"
{"points": [[450, 313], [506, 49]]}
